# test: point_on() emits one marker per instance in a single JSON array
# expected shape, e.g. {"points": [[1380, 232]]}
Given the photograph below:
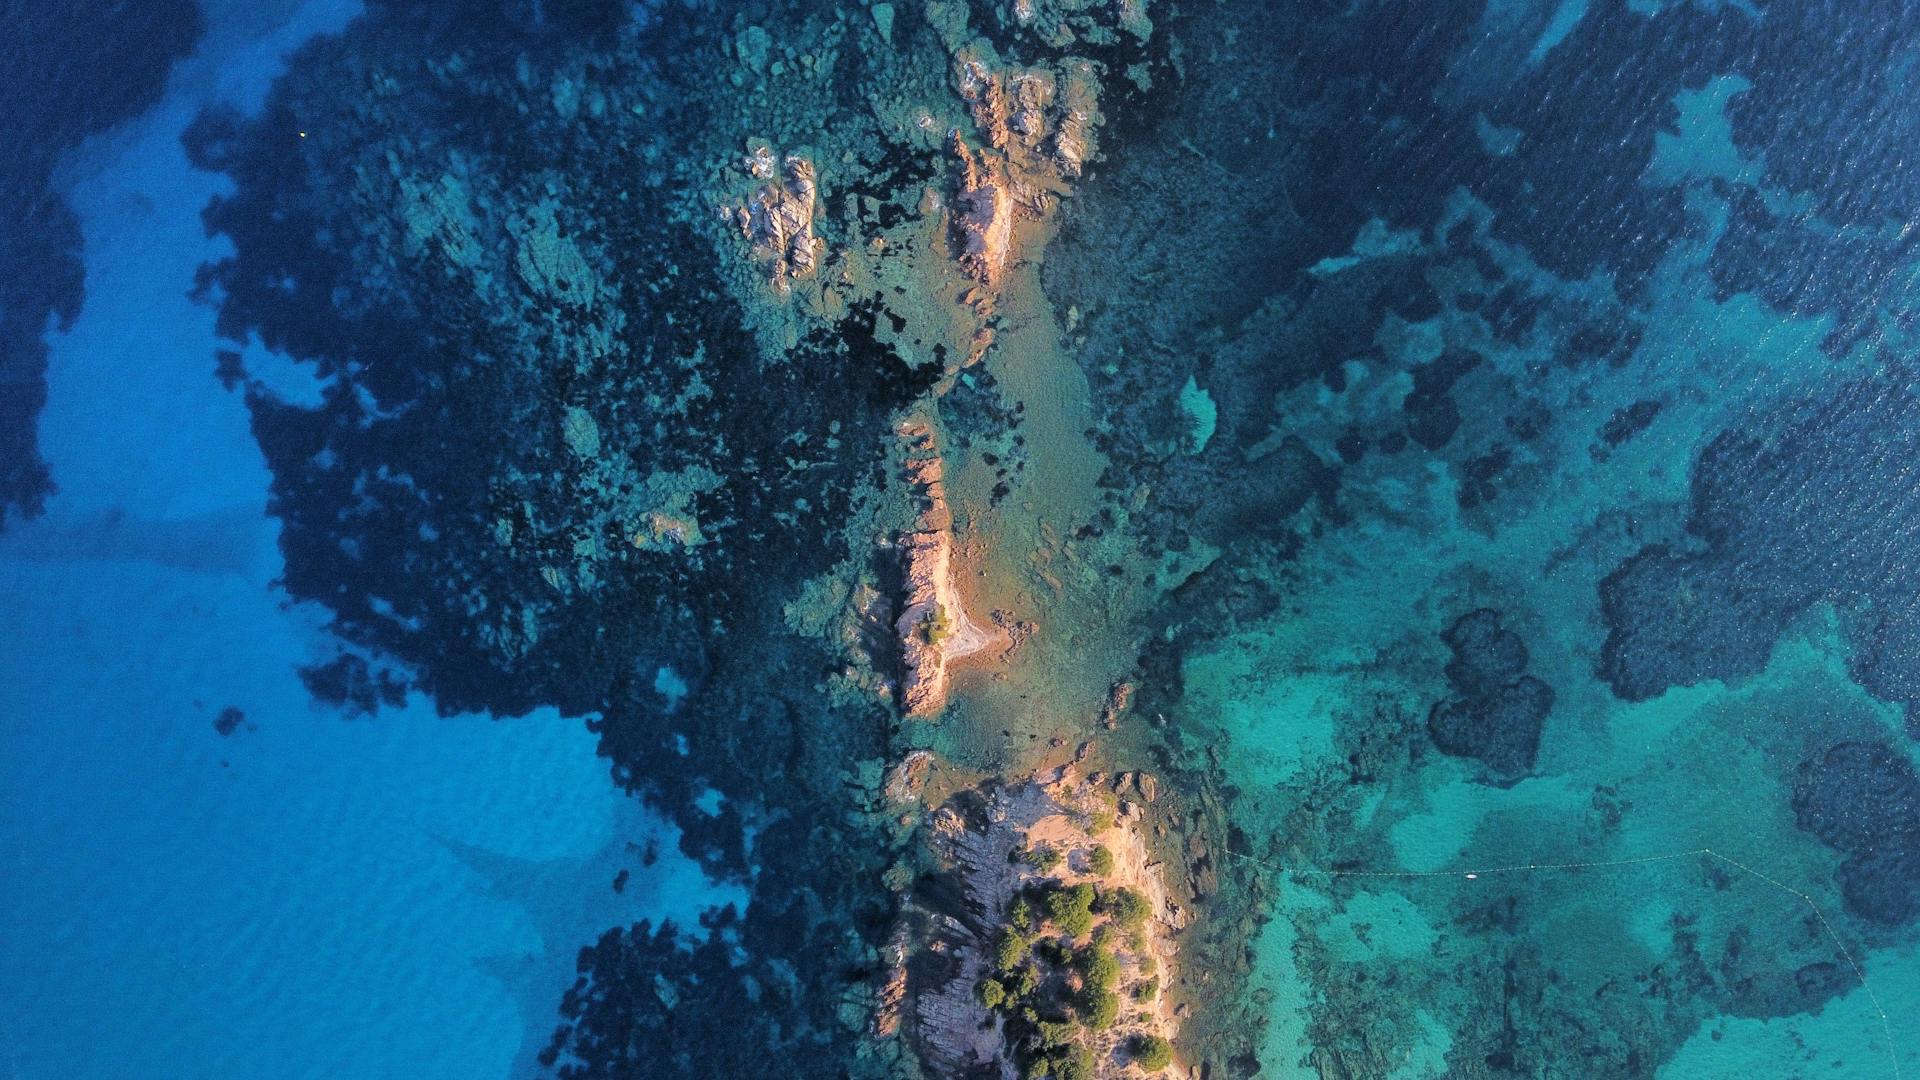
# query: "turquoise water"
{"points": [[1462, 450], [311, 894], [1587, 871]]}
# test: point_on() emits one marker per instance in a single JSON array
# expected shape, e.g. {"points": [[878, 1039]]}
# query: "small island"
{"points": [[934, 629], [1042, 943]]}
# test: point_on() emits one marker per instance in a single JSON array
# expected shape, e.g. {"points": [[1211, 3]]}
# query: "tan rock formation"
{"points": [[983, 213], [933, 626], [778, 219], [908, 777]]}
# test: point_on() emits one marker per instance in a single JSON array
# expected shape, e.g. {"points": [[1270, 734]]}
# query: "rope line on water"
{"points": [[1859, 972]]}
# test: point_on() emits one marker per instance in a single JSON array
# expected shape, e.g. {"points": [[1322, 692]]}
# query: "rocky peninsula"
{"points": [[1041, 939], [934, 628]]}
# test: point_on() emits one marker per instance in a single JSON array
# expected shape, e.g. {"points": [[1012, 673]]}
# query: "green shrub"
{"points": [[1099, 1010], [1043, 856], [1071, 910], [1100, 860], [992, 993], [1053, 1036], [1102, 820], [1020, 915], [1075, 1064], [935, 627], [1063, 902], [1010, 949], [1126, 907], [1100, 968], [1027, 982], [1146, 991], [1150, 1052], [1076, 923]]}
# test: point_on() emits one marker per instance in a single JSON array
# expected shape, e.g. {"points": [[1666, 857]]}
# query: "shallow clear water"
{"points": [[1461, 452]]}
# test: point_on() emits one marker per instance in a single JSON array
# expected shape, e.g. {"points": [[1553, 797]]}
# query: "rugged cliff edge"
{"points": [[1040, 942]]}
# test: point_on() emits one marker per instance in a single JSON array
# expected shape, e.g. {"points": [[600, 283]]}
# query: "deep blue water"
{"points": [[1553, 481], [309, 895]]}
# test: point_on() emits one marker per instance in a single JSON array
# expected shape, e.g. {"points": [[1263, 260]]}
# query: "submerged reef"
{"points": [[1496, 709], [66, 78], [1806, 503], [614, 313], [1302, 447], [1863, 799], [1464, 333]]}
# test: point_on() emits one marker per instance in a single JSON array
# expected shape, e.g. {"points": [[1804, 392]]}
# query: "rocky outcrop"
{"points": [[908, 777], [1002, 851], [933, 626], [1037, 125], [778, 219], [983, 213]]}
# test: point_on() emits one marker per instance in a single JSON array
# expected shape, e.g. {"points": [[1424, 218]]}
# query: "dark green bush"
{"points": [[1074, 1064], [1099, 967], [1009, 949], [1020, 915], [1026, 982], [1100, 860], [1150, 1052], [1126, 907], [1099, 1010], [1071, 910]]}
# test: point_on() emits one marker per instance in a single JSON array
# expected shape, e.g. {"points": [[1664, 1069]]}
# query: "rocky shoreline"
{"points": [[1041, 939], [934, 628]]}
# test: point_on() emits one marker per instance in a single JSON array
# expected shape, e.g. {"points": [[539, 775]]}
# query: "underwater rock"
{"points": [[1863, 800], [1629, 420], [1496, 711], [1432, 414], [230, 721]]}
